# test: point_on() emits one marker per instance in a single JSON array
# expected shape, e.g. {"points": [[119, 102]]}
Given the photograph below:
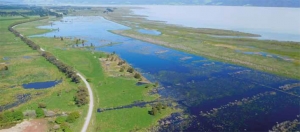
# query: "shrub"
{"points": [[10, 116], [72, 117], [81, 96], [42, 105], [75, 114], [153, 111], [65, 127], [60, 120], [157, 108], [137, 76], [6, 68], [18, 115], [122, 69], [39, 112], [88, 80], [130, 70]]}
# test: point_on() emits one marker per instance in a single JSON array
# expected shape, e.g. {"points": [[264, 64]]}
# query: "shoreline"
{"points": [[143, 80], [246, 60], [110, 66]]}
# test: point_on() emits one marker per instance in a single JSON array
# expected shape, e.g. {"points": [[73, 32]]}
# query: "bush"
{"points": [[72, 117], [42, 105], [75, 114], [130, 70], [39, 112], [60, 120], [137, 76], [65, 127], [18, 115], [6, 68], [88, 80], [81, 96], [157, 108], [10, 116], [153, 111]]}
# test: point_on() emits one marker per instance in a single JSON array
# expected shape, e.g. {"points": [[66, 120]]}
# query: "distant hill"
{"points": [[265, 3]]}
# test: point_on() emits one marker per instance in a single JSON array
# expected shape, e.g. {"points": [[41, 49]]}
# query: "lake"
{"points": [[270, 22], [194, 82]]}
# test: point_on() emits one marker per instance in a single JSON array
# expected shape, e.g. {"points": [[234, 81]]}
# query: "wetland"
{"points": [[151, 70], [198, 84]]}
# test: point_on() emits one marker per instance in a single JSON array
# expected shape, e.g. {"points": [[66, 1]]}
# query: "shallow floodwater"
{"points": [[270, 22], [41, 85], [149, 32], [194, 82]]}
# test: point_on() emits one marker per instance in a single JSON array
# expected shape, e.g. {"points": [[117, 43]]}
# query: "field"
{"points": [[25, 66], [122, 105], [241, 99], [110, 92]]}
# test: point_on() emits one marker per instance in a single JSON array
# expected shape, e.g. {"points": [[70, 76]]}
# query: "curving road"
{"points": [[91, 105]]}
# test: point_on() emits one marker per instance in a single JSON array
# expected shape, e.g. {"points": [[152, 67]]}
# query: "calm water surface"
{"points": [[270, 22], [196, 83], [41, 85]]}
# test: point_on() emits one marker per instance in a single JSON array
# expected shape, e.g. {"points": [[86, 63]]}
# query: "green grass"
{"points": [[108, 91], [34, 69], [26, 28], [124, 120], [198, 41]]}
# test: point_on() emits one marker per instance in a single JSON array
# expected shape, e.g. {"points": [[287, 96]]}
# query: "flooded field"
{"points": [[217, 96]]}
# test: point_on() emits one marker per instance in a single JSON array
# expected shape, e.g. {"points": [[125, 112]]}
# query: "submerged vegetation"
{"points": [[202, 41], [210, 96]]}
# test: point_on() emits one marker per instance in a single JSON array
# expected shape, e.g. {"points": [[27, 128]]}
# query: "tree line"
{"points": [[42, 12], [68, 70]]}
